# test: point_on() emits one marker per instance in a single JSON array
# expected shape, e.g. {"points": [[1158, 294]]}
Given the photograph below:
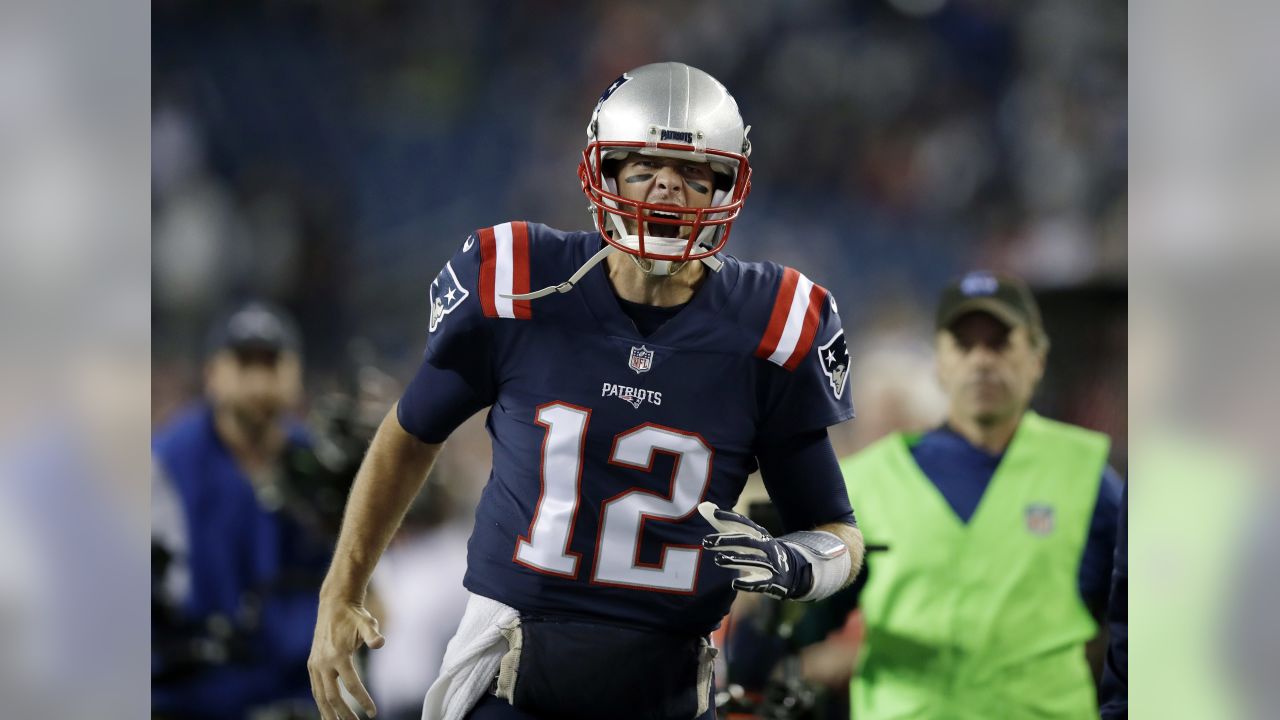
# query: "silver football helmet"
{"points": [[675, 111]]}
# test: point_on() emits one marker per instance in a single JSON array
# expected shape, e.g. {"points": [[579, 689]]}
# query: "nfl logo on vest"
{"points": [[1040, 519]]}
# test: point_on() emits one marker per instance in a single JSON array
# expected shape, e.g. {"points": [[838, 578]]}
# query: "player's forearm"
{"points": [[852, 537], [390, 477]]}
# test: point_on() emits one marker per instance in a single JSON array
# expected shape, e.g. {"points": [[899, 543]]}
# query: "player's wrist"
{"points": [[823, 557], [802, 571], [336, 591]]}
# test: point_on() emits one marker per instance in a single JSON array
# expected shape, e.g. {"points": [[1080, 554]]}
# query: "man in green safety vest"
{"points": [[1000, 527]]}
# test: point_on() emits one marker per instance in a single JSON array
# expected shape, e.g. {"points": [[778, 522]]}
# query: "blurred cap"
{"points": [[255, 326], [1007, 298]]}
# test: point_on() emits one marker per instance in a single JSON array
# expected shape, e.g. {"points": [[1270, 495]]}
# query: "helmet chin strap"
{"points": [[656, 268], [567, 285], [649, 266]]}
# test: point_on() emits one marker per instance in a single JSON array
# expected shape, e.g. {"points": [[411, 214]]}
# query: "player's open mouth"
{"points": [[662, 230]]}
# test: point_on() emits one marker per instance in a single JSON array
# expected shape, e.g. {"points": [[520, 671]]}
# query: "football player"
{"points": [[629, 399]]}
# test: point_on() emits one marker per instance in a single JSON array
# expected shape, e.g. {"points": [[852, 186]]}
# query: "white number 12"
{"points": [[546, 546]]}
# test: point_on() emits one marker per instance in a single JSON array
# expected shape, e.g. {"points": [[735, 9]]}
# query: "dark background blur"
{"points": [[374, 81], [331, 156]]}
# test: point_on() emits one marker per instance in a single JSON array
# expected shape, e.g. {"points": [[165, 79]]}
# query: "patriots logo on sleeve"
{"points": [[446, 295], [833, 356]]}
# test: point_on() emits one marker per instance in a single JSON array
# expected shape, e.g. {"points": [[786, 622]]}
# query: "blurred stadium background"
{"points": [[330, 156]]}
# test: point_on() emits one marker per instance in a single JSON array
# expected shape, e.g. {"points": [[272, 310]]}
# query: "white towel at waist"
{"points": [[471, 660]]}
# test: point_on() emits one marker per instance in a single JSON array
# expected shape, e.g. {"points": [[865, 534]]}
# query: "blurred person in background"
{"points": [[1114, 695], [895, 392], [628, 404], [237, 562], [1000, 527], [421, 609]]}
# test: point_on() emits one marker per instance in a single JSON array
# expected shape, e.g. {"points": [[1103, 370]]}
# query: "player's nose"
{"points": [[668, 178]]}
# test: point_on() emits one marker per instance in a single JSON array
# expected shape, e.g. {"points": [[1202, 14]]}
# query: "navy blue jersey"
{"points": [[605, 440]]}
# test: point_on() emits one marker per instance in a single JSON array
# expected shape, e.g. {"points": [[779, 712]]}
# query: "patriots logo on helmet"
{"points": [[613, 87], [833, 356], [446, 295], [595, 114]]}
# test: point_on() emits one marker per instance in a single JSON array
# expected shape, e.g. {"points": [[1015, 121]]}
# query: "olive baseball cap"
{"points": [[1006, 298]]}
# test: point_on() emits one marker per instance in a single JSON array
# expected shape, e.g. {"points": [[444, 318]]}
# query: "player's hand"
{"points": [[764, 563], [341, 627]]}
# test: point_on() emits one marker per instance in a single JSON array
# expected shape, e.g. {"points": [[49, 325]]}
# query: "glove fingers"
{"points": [[708, 512], [735, 541], [765, 586], [746, 524], [752, 575], [725, 521], [740, 560]]}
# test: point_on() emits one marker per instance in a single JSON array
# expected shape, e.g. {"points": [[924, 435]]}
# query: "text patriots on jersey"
{"points": [[635, 396], [446, 295], [833, 356]]}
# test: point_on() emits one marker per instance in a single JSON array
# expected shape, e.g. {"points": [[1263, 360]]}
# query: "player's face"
{"points": [[988, 370], [256, 386], [665, 181]]}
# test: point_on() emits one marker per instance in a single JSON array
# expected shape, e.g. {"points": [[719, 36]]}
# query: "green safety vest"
{"points": [[984, 619]]}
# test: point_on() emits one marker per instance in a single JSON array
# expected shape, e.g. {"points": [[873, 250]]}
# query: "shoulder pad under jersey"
{"points": [[517, 257], [789, 313]]}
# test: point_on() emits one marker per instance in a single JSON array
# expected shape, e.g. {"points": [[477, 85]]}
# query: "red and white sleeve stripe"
{"points": [[793, 323], [504, 270]]}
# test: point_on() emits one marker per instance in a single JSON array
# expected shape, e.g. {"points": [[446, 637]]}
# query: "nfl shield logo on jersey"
{"points": [[1040, 519], [641, 359], [446, 294]]}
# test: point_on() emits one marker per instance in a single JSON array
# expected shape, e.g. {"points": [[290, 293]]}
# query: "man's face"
{"points": [[665, 181], [988, 370], [256, 386]]}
